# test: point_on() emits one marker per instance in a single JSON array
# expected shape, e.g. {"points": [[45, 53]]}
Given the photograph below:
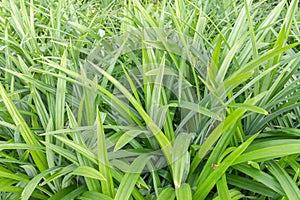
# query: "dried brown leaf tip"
{"points": [[214, 166]]}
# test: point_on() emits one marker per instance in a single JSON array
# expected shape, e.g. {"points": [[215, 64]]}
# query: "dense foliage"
{"points": [[149, 99]]}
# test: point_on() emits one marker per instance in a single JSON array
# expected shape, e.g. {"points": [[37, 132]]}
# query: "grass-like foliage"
{"points": [[150, 100]]}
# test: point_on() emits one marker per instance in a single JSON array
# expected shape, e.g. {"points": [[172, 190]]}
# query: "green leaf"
{"points": [[180, 158], [61, 151], [59, 173], [234, 195], [103, 162], [212, 70], [29, 137], [227, 60], [79, 148], [290, 188], [184, 192], [199, 109], [5, 173], [160, 137], [167, 193], [267, 150], [260, 176], [215, 135], [251, 185], [130, 178], [205, 187], [14, 189], [20, 146], [61, 95], [62, 193], [222, 188], [250, 108], [88, 172], [127, 137], [33, 183], [263, 58], [91, 195], [70, 192]]}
